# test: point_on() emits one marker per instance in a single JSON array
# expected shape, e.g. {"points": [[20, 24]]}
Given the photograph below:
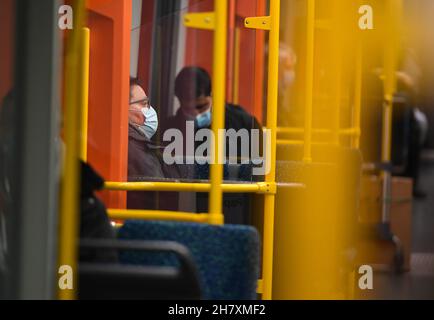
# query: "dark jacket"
{"points": [[94, 221], [145, 163], [236, 206], [235, 118]]}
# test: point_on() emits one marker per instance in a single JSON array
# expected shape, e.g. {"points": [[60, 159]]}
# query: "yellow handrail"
{"points": [[237, 57], [358, 95], [337, 73], [309, 80], [390, 79], [354, 131], [84, 81], [218, 112], [283, 130], [260, 187], [272, 24], [120, 214], [68, 219], [390, 85], [283, 142], [272, 101], [337, 101]]}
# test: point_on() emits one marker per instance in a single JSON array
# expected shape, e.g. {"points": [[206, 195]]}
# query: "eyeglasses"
{"points": [[144, 103]]}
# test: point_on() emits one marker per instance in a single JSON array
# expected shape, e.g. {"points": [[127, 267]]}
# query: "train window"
{"points": [[180, 86]]}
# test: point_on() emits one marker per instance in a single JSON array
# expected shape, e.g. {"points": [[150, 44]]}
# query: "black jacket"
{"points": [[94, 221], [236, 206], [235, 118]]}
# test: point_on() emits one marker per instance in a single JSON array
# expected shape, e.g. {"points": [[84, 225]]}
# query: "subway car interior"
{"points": [[216, 149]]}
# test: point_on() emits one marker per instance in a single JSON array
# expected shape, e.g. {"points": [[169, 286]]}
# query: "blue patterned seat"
{"points": [[227, 257]]}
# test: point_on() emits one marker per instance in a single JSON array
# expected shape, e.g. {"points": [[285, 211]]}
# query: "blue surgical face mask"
{"points": [[150, 127], [204, 120]]}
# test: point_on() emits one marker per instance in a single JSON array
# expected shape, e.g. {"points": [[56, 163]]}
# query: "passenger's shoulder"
{"points": [[236, 108], [240, 113]]}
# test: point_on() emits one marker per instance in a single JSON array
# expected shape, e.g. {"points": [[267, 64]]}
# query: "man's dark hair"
{"points": [[135, 82], [192, 83]]}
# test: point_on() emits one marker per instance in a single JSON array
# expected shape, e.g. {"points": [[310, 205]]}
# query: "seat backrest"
{"points": [[237, 207], [123, 282], [227, 256]]}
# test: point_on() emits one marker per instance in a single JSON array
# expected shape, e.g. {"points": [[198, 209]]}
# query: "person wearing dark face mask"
{"points": [[145, 161]]}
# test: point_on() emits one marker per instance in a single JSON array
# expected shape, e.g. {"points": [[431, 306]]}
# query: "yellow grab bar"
{"points": [[84, 81], [390, 85], [283, 130], [358, 95], [345, 132], [120, 214], [309, 80], [299, 143], [272, 24], [218, 111], [68, 219], [261, 187], [272, 100], [390, 78], [236, 83]]}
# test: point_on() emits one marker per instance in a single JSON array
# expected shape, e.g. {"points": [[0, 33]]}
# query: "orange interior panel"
{"points": [[110, 26]]}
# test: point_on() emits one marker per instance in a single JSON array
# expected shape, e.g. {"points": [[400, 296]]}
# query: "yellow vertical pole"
{"points": [[337, 77], [337, 100], [236, 98], [272, 99], [218, 113], [69, 215], [337, 57], [84, 84], [390, 68], [309, 80], [388, 103], [358, 95]]}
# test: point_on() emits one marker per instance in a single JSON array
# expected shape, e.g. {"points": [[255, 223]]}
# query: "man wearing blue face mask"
{"points": [[145, 162], [142, 115], [193, 88]]}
